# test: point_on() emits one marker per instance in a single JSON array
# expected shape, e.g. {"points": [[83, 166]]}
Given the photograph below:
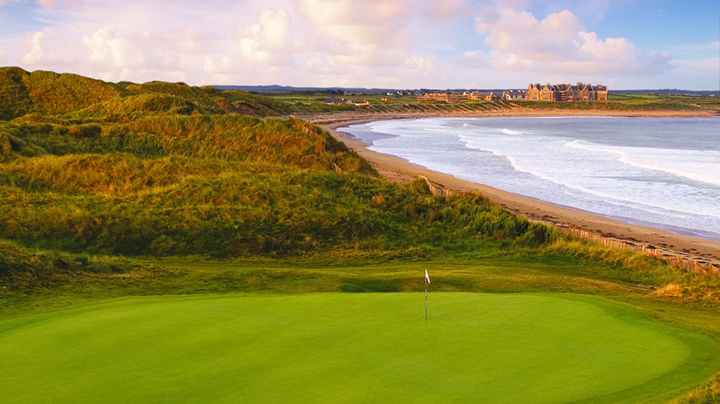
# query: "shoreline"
{"points": [[337, 119], [399, 170]]}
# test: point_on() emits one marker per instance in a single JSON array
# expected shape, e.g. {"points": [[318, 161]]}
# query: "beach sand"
{"points": [[400, 170]]}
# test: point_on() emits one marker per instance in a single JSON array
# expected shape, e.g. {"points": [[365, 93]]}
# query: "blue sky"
{"points": [[625, 44]]}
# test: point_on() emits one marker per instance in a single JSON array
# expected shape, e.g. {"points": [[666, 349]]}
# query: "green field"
{"points": [[350, 348]]}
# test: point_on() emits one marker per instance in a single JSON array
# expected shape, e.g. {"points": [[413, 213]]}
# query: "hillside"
{"points": [[77, 97], [161, 169], [169, 170]]}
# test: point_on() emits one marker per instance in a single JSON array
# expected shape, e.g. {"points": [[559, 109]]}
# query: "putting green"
{"points": [[350, 348]]}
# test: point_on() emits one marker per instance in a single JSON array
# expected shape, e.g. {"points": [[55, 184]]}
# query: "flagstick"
{"points": [[427, 282], [425, 301]]}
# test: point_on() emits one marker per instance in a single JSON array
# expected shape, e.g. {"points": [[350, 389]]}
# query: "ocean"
{"points": [[659, 172]]}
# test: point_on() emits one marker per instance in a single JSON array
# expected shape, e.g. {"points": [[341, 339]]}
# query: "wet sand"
{"points": [[400, 170]]}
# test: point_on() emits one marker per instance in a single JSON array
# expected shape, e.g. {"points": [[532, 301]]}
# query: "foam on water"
{"points": [[659, 171], [702, 166], [511, 132]]}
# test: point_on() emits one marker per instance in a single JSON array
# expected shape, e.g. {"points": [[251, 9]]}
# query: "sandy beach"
{"points": [[400, 170]]}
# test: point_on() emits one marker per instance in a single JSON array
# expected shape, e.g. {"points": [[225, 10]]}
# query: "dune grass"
{"points": [[350, 348]]}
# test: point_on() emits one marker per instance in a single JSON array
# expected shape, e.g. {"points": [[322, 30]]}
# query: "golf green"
{"points": [[350, 348]]}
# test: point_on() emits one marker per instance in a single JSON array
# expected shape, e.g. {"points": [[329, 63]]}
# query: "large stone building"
{"points": [[566, 92]]}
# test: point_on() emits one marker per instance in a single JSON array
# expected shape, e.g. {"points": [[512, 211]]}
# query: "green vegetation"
{"points": [[69, 97], [225, 186], [116, 190], [300, 103], [632, 102], [332, 348]]}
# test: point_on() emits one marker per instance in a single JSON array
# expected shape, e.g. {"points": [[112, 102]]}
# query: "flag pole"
{"points": [[427, 281]]}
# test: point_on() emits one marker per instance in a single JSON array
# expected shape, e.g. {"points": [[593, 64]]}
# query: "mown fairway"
{"points": [[334, 348]]}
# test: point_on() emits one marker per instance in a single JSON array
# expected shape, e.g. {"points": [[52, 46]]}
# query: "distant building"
{"points": [[447, 97], [510, 95], [483, 95], [335, 101], [566, 92]]}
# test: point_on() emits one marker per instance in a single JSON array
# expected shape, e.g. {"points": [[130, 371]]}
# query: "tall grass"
{"points": [[162, 169], [80, 99], [22, 269]]}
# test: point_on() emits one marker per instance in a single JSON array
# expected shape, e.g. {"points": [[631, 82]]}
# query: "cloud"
{"points": [[2, 56], [521, 34], [363, 34], [53, 3], [118, 56], [697, 68], [109, 49], [422, 65], [266, 42], [702, 47], [447, 9], [36, 53], [473, 59], [188, 40], [352, 21], [560, 43]]}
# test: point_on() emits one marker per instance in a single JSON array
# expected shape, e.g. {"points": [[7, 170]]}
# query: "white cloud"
{"points": [[560, 43], [142, 56], [360, 35], [698, 68], [109, 49], [473, 59], [189, 40], [35, 43], [708, 46], [422, 65], [352, 21], [373, 43], [264, 43]]}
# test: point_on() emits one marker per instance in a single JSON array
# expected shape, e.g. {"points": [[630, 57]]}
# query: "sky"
{"points": [[403, 44]]}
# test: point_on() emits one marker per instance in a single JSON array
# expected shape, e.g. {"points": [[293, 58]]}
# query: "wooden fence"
{"points": [[436, 190], [681, 260]]}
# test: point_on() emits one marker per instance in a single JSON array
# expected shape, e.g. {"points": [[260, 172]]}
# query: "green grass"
{"points": [[350, 348]]}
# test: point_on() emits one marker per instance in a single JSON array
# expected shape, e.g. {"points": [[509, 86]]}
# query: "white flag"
{"points": [[427, 277]]}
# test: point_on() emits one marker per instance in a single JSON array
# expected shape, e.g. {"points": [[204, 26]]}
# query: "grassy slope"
{"points": [[80, 98], [135, 173]]}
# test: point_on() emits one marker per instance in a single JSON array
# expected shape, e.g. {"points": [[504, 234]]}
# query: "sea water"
{"points": [[662, 172]]}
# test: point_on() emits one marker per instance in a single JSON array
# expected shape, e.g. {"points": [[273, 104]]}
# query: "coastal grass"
{"points": [[350, 348]]}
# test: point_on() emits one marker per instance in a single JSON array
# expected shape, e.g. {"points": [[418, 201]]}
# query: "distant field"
{"points": [[306, 103], [351, 348]]}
